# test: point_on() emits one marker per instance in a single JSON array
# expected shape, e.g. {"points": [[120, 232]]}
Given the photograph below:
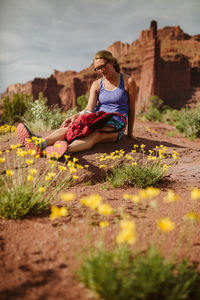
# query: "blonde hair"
{"points": [[107, 55]]}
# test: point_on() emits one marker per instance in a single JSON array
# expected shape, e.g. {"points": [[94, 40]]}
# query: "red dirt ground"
{"points": [[39, 257]]}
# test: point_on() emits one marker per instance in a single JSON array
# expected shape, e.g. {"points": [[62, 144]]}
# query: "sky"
{"points": [[39, 36]]}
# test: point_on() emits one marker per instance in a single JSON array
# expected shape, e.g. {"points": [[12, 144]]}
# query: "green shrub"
{"points": [[140, 175], [82, 101], [41, 118], [20, 200], [14, 109], [188, 122], [116, 275]]}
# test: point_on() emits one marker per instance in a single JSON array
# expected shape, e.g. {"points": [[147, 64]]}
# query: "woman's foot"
{"points": [[57, 150], [26, 137]]}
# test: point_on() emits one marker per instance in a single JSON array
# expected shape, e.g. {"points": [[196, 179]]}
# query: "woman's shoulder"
{"points": [[96, 83]]}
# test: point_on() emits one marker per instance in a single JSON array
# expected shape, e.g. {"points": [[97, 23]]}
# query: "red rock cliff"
{"points": [[164, 62]]}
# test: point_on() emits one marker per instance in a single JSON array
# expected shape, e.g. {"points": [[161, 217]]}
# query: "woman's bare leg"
{"points": [[89, 141], [57, 135]]}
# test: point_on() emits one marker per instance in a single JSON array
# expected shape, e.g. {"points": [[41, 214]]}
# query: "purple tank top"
{"points": [[113, 101]]}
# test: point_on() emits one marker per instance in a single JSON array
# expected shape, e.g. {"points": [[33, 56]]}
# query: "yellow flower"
{"points": [[127, 233], [191, 216], [75, 177], [135, 146], [171, 197], [165, 167], [127, 224], [126, 196], [66, 157], [57, 212], [7, 151], [152, 192], [133, 164], [9, 173], [42, 189], [13, 147], [142, 146], [165, 224], [30, 177], [31, 152], [33, 171], [103, 224], [86, 166], [92, 201], [129, 157], [62, 168], [68, 196], [72, 170], [51, 174], [75, 159], [29, 161], [195, 194], [102, 166], [2, 159], [105, 209]]}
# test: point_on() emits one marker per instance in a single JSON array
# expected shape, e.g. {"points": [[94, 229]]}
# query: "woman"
{"points": [[113, 92]]}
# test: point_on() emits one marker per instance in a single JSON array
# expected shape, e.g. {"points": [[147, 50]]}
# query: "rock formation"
{"points": [[164, 62]]}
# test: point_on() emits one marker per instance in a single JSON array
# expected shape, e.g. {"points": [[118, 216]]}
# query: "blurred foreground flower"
{"points": [[57, 212], [191, 216], [9, 173], [103, 224], [171, 197], [68, 197], [127, 232], [195, 194], [165, 224]]}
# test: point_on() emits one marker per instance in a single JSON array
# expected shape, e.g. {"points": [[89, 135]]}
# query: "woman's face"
{"points": [[103, 66]]}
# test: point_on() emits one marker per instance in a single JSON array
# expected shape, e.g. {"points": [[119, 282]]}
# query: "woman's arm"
{"points": [[132, 91], [94, 91]]}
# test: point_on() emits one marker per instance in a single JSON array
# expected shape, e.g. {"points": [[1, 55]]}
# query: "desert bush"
{"points": [[117, 275], [14, 109], [82, 101], [188, 122], [140, 175], [21, 200], [40, 117]]}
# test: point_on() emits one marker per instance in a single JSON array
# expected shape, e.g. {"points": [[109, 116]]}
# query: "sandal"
{"points": [[57, 150]]}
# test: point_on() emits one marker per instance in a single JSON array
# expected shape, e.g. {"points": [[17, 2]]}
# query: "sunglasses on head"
{"points": [[101, 67]]}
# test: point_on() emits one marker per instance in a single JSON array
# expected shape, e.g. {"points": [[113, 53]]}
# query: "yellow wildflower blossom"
{"points": [[171, 197], [13, 147], [42, 189], [191, 216], [93, 201], [9, 173], [165, 224], [57, 212], [2, 159], [102, 166], [195, 194], [68, 197], [127, 233], [62, 168], [105, 209], [33, 171], [103, 224], [30, 177], [29, 161], [75, 177]]}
